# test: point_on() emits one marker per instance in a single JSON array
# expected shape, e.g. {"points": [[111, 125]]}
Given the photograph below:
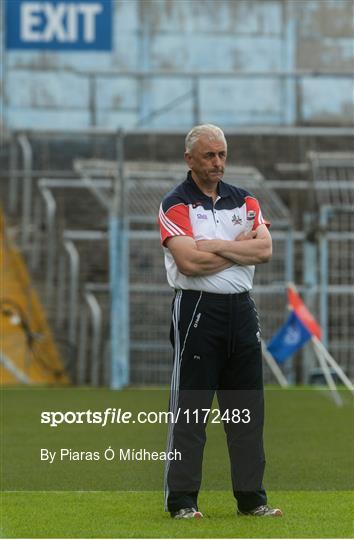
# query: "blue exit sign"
{"points": [[84, 25]]}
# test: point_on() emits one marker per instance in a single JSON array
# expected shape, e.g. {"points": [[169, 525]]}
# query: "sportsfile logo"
{"points": [[59, 24]]}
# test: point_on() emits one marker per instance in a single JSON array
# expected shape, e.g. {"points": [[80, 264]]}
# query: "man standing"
{"points": [[213, 234]]}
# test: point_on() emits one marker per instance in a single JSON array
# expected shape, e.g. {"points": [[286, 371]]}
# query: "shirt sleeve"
{"points": [[254, 213], [174, 221]]}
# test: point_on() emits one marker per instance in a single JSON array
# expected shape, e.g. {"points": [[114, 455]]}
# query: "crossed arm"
{"points": [[207, 257]]}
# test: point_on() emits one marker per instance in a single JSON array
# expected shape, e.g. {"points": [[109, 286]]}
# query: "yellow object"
{"points": [[23, 360]]}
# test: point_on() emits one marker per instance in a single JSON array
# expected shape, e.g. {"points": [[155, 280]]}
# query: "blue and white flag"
{"points": [[289, 338]]}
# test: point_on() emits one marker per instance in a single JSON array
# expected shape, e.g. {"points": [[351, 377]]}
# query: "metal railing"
{"points": [[46, 187], [71, 252], [334, 172], [21, 179], [337, 283], [91, 310]]}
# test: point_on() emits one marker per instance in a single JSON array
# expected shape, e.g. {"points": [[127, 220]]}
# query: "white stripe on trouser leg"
{"points": [[176, 313], [175, 320], [175, 385]]}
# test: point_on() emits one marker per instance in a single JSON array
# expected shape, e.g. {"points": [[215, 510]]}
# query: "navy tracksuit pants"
{"points": [[216, 341]]}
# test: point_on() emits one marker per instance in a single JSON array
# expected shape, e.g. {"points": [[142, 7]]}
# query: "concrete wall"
{"points": [[51, 89]]}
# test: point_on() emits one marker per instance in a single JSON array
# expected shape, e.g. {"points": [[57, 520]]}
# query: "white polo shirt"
{"points": [[187, 211]]}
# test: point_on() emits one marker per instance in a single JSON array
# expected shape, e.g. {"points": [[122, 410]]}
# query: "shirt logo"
{"points": [[202, 216], [236, 219], [292, 336]]}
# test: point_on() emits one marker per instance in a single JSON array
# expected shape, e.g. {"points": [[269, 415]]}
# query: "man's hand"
{"points": [[246, 236], [254, 247], [193, 262]]}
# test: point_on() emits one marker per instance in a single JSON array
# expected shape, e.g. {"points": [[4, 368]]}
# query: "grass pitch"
{"points": [[310, 468], [135, 515]]}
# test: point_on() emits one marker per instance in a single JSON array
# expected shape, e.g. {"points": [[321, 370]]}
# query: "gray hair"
{"points": [[213, 133]]}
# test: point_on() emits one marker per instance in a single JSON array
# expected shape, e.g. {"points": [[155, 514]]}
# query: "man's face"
{"points": [[207, 159]]}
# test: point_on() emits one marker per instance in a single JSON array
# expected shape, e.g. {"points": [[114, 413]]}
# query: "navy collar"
{"points": [[223, 188]]}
